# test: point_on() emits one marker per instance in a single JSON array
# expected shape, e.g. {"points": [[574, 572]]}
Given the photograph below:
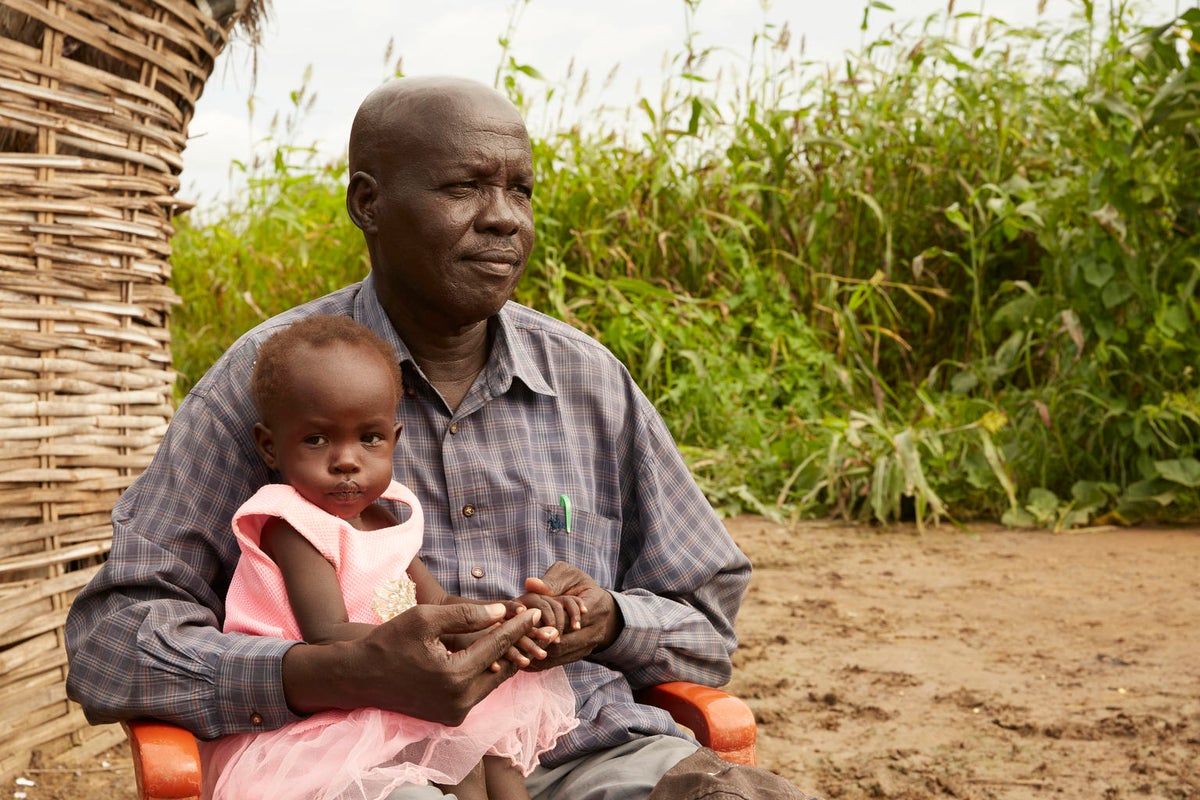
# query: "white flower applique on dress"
{"points": [[394, 596]]}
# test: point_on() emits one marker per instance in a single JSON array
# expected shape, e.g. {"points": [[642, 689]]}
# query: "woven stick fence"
{"points": [[95, 100]]}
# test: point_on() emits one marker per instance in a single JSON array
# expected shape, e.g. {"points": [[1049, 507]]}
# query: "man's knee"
{"points": [[626, 772], [705, 776]]}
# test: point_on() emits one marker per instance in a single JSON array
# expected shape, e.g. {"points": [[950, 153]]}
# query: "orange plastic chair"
{"points": [[166, 762]]}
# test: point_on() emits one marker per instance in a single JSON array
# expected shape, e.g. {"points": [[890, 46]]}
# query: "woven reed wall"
{"points": [[95, 99]]}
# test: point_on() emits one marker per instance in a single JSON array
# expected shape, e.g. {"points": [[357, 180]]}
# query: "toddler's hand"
{"points": [[564, 612]]}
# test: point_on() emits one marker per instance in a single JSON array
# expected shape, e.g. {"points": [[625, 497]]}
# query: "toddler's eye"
{"points": [[372, 440], [316, 440]]}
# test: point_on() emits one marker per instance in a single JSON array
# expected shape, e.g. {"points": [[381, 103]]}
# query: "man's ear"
{"points": [[361, 194], [265, 443]]}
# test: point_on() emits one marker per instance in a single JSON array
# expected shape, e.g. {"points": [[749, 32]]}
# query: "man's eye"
{"points": [[525, 190]]}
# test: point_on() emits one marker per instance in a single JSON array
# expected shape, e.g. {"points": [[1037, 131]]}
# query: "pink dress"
{"points": [[365, 753]]}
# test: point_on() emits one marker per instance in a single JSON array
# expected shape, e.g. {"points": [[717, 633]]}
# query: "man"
{"points": [[529, 445]]}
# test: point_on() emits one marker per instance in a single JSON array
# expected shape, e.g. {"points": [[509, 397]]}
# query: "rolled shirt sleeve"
{"points": [[680, 593]]}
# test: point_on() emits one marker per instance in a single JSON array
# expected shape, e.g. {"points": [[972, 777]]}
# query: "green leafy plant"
{"points": [[953, 277]]}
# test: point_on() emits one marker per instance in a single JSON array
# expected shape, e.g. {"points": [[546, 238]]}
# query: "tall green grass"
{"points": [[955, 277]]}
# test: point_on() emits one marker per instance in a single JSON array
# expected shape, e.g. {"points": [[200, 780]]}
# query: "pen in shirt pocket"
{"points": [[565, 502]]}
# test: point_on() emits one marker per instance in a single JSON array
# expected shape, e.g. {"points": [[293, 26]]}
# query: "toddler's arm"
{"points": [[312, 586], [526, 649], [430, 592]]}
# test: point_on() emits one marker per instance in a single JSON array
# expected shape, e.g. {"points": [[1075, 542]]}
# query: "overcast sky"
{"points": [[345, 52]]}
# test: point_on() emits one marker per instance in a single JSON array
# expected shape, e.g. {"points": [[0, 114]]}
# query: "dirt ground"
{"points": [[981, 664]]}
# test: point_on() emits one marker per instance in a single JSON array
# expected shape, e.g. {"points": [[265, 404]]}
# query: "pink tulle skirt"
{"points": [[366, 753]]}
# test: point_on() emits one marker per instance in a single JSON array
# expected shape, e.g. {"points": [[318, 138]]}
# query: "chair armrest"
{"points": [[166, 761], [718, 719]]}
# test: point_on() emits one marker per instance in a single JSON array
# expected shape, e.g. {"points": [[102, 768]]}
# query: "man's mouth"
{"points": [[499, 260]]}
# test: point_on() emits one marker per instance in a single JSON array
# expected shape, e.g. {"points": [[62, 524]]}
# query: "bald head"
{"points": [[416, 109]]}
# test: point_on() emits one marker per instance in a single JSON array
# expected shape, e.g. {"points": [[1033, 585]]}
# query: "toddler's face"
{"points": [[334, 437]]}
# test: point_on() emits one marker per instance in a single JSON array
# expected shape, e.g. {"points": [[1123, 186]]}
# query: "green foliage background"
{"points": [[951, 279]]}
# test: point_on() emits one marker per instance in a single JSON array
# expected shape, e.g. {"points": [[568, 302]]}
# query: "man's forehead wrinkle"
{"points": [[470, 146], [436, 120], [468, 122], [458, 120]]}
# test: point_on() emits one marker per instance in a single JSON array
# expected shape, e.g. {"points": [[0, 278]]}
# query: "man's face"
{"points": [[334, 437], [454, 215]]}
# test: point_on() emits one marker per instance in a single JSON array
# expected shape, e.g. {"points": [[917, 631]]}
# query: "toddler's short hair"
{"points": [[277, 355]]}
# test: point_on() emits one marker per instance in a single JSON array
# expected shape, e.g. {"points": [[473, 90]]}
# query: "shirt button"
{"points": [[477, 572], [410, 391], [468, 510], [256, 718], [453, 428]]}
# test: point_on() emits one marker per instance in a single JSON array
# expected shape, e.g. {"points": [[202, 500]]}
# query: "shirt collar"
{"points": [[510, 357], [369, 312]]}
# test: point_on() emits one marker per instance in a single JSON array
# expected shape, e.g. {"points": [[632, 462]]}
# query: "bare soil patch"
{"points": [[981, 664], [971, 664]]}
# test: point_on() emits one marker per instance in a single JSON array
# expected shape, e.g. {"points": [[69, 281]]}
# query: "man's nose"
{"points": [[499, 213]]}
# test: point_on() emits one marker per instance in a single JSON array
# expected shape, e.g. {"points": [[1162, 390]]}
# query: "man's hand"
{"points": [[526, 649], [562, 612], [404, 666], [599, 626], [559, 613]]}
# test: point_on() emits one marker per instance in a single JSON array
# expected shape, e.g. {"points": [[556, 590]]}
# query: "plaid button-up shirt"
{"points": [[553, 413]]}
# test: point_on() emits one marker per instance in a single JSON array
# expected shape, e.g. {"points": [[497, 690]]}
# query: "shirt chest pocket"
{"points": [[586, 540]]}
